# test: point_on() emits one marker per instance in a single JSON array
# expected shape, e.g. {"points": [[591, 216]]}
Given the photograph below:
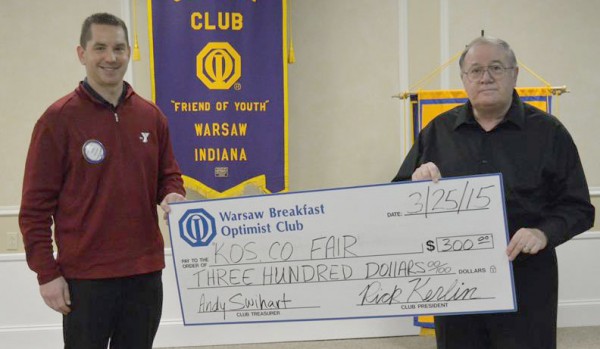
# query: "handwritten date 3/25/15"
{"points": [[444, 200]]}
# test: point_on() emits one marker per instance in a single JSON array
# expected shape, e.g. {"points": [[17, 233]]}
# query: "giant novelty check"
{"points": [[395, 249]]}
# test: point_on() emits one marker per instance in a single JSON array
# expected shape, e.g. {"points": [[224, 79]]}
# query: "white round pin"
{"points": [[93, 151]]}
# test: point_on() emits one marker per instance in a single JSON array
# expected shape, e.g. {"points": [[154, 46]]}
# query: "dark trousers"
{"points": [[123, 311], [533, 326]]}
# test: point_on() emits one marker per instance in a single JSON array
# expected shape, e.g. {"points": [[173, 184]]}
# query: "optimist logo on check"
{"points": [[197, 227]]}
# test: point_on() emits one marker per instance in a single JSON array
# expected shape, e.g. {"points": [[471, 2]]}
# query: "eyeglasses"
{"points": [[495, 70]]}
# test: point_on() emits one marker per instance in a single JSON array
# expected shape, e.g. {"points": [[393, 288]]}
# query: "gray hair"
{"points": [[489, 41]]}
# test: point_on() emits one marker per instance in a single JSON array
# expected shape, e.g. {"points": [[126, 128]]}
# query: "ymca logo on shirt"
{"points": [[144, 136]]}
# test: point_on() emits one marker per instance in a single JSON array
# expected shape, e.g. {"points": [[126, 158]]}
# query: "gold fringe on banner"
{"points": [[291, 53], [136, 47]]}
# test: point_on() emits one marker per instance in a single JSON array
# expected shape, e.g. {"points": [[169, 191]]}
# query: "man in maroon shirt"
{"points": [[99, 162]]}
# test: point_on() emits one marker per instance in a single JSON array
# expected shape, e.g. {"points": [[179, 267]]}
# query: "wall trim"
{"points": [[9, 211], [12, 257], [13, 210], [32, 328], [578, 313]]}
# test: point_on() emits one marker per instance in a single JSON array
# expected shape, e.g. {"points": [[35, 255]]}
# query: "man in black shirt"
{"points": [[547, 197]]}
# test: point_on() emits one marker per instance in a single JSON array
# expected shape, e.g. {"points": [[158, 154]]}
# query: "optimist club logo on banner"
{"points": [[219, 74], [219, 66]]}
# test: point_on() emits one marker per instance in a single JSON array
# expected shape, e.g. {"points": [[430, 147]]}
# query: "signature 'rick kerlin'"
{"points": [[419, 291]]}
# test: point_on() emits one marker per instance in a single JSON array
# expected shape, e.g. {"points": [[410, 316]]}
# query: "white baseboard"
{"points": [[579, 313], [173, 333]]}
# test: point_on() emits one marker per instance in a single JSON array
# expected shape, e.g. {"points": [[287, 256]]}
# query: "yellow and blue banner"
{"points": [[219, 73], [427, 104]]}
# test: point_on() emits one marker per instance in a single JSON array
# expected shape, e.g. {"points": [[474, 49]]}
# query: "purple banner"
{"points": [[219, 74]]}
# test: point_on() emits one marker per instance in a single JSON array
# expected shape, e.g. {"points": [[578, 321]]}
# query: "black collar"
{"points": [[101, 99], [515, 114]]}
